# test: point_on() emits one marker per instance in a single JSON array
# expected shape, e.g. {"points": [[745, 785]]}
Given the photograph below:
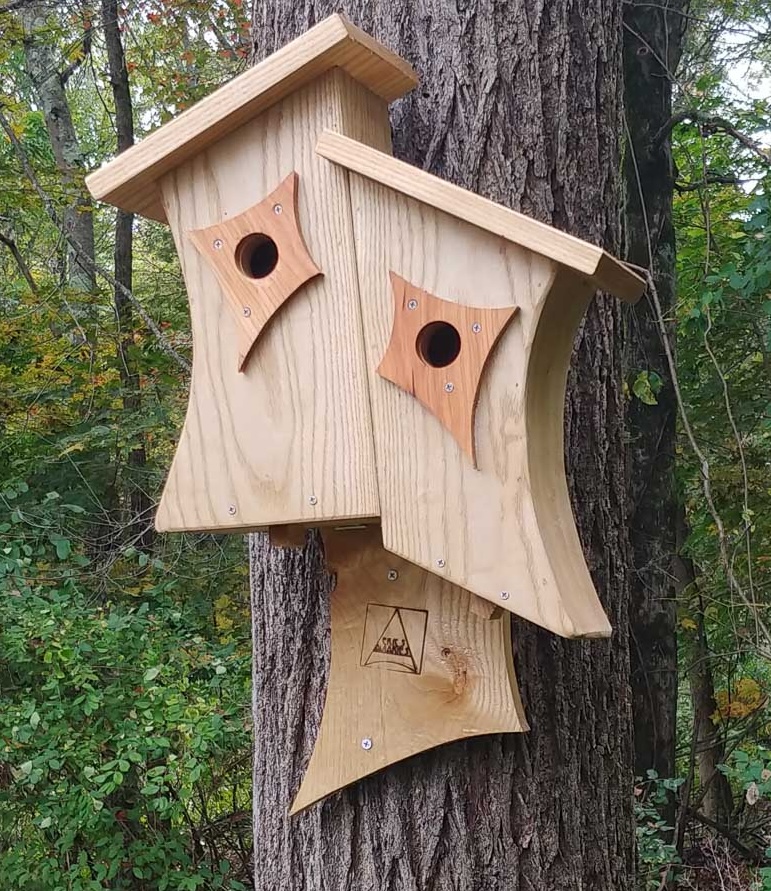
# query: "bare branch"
{"points": [[711, 179], [14, 5], [20, 262], [83, 255], [711, 124], [88, 33]]}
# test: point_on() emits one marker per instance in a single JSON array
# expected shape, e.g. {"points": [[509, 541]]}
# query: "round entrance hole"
{"points": [[438, 344], [257, 255]]}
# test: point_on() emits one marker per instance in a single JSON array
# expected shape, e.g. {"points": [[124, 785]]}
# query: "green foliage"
{"points": [[120, 723], [656, 855]]}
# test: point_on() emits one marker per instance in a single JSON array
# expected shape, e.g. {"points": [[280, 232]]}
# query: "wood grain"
{"points": [[289, 440], [253, 301], [450, 391], [413, 666], [605, 272], [504, 530], [131, 180]]}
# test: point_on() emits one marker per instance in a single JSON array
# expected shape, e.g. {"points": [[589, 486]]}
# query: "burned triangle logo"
{"points": [[394, 638]]}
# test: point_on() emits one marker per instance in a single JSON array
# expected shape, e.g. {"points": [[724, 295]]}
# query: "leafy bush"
{"points": [[119, 723]]}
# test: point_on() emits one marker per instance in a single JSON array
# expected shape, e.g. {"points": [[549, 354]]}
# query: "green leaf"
{"points": [[645, 387], [63, 548], [152, 673]]}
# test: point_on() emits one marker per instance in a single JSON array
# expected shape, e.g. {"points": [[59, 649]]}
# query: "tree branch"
{"points": [[14, 5], [88, 33], [753, 856], [711, 124], [20, 262], [83, 256], [727, 179]]}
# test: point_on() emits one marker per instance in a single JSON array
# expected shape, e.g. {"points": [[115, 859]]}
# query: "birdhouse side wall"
{"points": [[474, 526], [289, 438]]}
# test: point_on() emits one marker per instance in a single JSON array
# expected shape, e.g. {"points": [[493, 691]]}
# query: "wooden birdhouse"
{"points": [[385, 355]]}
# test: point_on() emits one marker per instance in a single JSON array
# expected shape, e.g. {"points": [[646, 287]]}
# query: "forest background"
{"points": [[125, 705]]}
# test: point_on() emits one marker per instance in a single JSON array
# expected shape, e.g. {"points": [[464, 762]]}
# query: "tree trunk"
{"points": [[652, 44], [139, 524], [714, 797], [522, 103], [48, 79]]}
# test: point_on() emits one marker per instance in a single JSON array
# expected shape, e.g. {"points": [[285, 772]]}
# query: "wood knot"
{"points": [[459, 667]]}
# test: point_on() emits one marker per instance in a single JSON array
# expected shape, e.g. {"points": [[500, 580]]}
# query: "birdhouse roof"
{"points": [[605, 271], [130, 180]]}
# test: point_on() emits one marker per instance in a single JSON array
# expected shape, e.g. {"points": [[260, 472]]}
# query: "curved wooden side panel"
{"points": [[415, 664], [488, 529], [260, 259], [545, 392]]}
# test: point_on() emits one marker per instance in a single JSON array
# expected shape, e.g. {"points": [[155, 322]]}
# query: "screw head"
{"points": [[277, 209], [246, 312], [313, 500], [217, 244], [449, 387], [412, 304], [504, 595], [440, 562], [476, 327], [232, 510], [393, 575], [366, 744]]}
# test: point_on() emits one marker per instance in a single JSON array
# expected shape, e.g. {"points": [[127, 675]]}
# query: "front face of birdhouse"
{"points": [[278, 427], [374, 344]]}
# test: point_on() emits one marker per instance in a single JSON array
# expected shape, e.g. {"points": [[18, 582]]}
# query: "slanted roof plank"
{"points": [[596, 264], [129, 181]]}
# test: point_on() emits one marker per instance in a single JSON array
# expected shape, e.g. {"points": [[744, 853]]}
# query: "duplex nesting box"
{"points": [[374, 344]]}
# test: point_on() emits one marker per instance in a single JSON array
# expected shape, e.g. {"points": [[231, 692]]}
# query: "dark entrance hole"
{"points": [[438, 344], [257, 255]]}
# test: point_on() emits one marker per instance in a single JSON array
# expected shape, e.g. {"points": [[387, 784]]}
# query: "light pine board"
{"points": [[414, 665], [289, 439], [605, 271], [505, 530], [131, 181]]}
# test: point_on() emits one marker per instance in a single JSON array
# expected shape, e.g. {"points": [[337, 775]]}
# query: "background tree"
{"points": [[521, 102]]}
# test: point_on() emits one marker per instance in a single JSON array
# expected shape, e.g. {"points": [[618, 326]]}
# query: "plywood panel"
{"points": [[488, 529], [414, 665], [289, 439]]}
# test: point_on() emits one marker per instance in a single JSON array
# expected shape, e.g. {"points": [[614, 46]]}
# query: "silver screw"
{"points": [[366, 744], [246, 311], [440, 562], [313, 500], [232, 510], [476, 327], [449, 387], [393, 575], [217, 244], [277, 209], [412, 304], [504, 595]]}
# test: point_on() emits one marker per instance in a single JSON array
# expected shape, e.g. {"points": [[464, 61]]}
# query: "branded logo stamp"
{"points": [[394, 638]]}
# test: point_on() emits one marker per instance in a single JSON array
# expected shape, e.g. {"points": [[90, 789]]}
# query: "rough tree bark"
{"points": [[521, 101], [140, 523], [653, 38], [49, 78]]}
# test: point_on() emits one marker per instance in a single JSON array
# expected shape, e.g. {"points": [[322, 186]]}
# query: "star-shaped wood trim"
{"points": [[449, 391], [233, 245]]}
